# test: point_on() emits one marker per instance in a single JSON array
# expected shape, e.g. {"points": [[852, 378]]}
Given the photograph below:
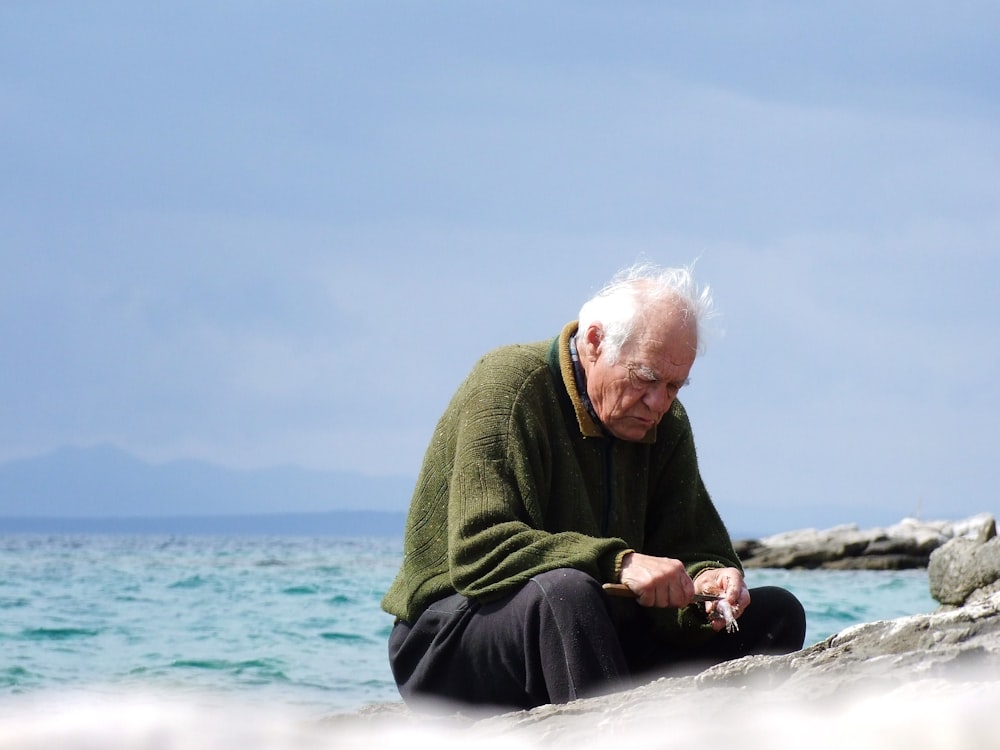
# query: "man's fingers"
{"points": [[652, 597]]}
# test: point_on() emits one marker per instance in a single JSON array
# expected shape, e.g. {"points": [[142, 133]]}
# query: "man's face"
{"points": [[631, 395]]}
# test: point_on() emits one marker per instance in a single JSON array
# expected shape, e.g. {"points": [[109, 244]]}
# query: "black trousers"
{"points": [[558, 638]]}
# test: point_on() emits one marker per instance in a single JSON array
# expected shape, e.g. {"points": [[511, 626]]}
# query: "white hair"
{"points": [[633, 291]]}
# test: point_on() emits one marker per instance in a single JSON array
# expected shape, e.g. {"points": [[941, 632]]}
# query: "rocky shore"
{"points": [[924, 681], [907, 544]]}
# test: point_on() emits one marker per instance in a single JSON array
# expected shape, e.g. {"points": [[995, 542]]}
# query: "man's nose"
{"points": [[660, 398]]}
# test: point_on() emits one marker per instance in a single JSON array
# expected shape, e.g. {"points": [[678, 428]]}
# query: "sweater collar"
{"points": [[590, 426], [580, 381]]}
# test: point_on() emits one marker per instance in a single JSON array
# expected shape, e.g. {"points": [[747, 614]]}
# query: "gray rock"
{"points": [[964, 570], [931, 658], [877, 562], [907, 544]]}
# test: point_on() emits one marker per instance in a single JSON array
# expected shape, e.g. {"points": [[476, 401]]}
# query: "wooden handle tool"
{"points": [[621, 590]]}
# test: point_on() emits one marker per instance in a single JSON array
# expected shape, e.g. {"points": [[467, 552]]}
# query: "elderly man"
{"points": [[559, 467]]}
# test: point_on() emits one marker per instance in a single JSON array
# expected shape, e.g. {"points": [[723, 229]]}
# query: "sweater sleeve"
{"points": [[501, 488]]}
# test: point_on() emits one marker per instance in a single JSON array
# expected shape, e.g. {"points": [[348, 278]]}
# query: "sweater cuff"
{"points": [[616, 576], [698, 568]]}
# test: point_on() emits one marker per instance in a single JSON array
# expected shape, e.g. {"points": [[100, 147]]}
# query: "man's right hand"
{"points": [[657, 581]]}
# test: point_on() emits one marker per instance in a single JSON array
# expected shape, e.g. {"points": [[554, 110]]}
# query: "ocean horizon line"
{"points": [[345, 522]]}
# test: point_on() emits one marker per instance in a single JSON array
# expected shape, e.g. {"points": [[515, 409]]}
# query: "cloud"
{"points": [[285, 235]]}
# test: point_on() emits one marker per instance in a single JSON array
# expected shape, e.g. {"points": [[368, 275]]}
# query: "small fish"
{"points": [[723, 610]]}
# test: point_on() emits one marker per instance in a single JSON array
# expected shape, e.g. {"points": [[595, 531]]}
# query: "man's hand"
{"points": [[725, 582], [657, 581]]}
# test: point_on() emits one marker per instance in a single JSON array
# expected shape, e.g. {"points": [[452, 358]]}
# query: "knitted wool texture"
{"points": [[518, 479]]}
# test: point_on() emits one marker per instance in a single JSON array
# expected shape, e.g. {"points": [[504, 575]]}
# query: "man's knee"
{"points": [[568, 584], [786, 630]]}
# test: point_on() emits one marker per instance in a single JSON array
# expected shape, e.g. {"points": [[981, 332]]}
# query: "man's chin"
{"points": [[634, 430]]}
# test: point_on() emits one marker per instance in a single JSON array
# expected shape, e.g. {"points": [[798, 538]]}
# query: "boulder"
{"points": [[964, 570], [907, 544]]}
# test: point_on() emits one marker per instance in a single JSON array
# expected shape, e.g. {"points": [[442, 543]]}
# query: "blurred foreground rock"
{"points": [[907, 544], [924, 681], [949, 651]]}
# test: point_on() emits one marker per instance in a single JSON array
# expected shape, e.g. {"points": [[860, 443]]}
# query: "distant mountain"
{"points": [[104, 482]]}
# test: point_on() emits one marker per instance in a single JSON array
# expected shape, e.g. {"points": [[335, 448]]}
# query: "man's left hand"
{"points": [[725, 582]]}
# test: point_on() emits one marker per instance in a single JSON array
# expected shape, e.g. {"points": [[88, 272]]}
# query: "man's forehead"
{"points": [[678, 344], [658, 358]]}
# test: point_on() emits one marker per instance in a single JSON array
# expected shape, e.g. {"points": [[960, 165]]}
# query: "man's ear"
{"points": [[593, 336]]}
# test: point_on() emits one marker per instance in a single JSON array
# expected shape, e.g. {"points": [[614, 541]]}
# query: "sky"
{"points": [[280, 233]]}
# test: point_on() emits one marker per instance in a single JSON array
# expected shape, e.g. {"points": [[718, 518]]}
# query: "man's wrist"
{"points": [[621, 562]]}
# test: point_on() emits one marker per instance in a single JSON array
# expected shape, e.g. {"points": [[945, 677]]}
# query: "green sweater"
{"points": [[518, 479]]}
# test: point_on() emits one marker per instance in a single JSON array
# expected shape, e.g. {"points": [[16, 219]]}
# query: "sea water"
{"points": [[263, 622], [289, 619]]}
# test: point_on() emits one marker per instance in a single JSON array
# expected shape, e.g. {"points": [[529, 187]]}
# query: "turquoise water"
{"points": [[837, 599], [291, 621]]}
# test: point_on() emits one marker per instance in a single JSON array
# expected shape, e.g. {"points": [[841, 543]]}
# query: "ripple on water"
{"points": [[344, 637], [301, 590], [268, 669], [191, 582], [14, 677], [57, 634]]}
